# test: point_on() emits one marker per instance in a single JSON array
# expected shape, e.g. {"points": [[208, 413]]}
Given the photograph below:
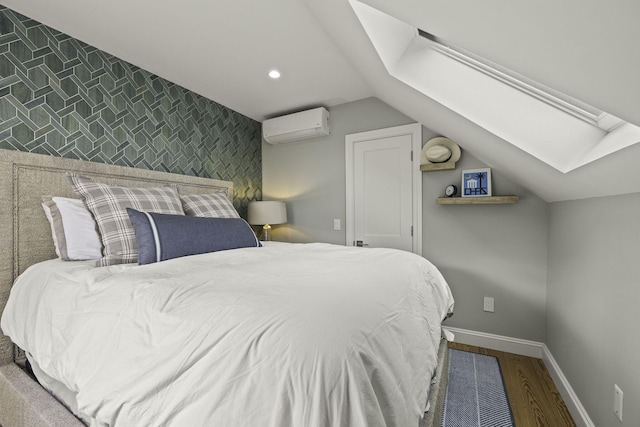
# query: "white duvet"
{"points": [[297, 335]]}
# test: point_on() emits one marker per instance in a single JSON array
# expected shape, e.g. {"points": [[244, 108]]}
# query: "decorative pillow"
{"points": [[72, 228], [109, 204], [161, 237], [214, 205]]}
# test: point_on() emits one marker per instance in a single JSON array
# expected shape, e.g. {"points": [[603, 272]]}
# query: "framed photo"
{"points": [[476, 182]]}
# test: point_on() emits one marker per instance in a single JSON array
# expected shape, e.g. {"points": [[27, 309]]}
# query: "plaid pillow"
{"points": [[214, 205], [108, 205]]}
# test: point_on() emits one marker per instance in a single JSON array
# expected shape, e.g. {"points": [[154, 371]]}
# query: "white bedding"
{"points": [[284, 335]]}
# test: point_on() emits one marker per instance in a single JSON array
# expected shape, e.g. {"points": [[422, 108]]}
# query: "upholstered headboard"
{"points": [[25, 236]]}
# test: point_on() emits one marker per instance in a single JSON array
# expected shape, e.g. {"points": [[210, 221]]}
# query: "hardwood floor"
{"points": [[535, 400]]}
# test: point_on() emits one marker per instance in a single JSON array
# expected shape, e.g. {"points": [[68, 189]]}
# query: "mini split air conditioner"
{"points": [[297, 126]]}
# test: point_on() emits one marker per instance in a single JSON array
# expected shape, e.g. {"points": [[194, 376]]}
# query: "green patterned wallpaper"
{"points": [[62, 97]]}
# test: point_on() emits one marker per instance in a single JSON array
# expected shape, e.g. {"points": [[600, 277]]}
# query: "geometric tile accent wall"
{"points": [[62, 97]]}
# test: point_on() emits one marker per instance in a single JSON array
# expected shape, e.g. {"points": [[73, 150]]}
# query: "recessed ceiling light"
{"points": [[274, 74]]}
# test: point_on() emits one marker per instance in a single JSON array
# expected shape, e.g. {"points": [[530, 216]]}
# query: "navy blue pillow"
{"points": [[163, 236]]}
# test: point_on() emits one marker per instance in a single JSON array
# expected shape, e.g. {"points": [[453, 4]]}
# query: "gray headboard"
{"points": [[25, 236]]}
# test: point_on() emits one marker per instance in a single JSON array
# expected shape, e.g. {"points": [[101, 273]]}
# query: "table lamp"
{"points": [[266, 213]]}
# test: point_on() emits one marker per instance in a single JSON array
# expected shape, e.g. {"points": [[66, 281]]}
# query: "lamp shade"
{"points": [[267, 212]]}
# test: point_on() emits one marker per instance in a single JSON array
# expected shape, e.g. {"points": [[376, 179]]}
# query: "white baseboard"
{"points": [[531, 349], [570, 398], [498, 342]]}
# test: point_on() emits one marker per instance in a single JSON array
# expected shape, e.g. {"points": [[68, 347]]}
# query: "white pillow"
{"points": [[47, 205], [73, 229]]}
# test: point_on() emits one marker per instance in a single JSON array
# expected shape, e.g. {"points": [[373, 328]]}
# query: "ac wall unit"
{"points": [[307, 124]]}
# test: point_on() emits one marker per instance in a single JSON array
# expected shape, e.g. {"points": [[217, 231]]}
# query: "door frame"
{"points": [[415, 130]]}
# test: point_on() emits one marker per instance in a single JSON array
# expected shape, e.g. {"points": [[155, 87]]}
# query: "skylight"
{"points": [[557, 99], [557, 129]]}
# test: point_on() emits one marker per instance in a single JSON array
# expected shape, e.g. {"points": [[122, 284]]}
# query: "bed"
{"points": [[276, 334]]}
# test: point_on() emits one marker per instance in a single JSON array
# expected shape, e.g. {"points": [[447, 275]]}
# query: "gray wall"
{"points": [[497, 251], [593, 301], [310, 175]]}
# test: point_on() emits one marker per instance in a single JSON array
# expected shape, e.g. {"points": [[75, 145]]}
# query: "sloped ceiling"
{"points": [[223, 50]]}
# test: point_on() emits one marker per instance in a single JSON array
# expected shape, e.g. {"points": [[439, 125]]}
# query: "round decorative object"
{"points": [[439, 150], [451, 190]]}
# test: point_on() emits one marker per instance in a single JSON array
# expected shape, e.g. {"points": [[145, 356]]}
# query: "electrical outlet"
{"points": [[488, 304], [617, 401]]}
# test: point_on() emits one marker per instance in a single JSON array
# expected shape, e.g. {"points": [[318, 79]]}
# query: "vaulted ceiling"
{"points": [[223, 49]]}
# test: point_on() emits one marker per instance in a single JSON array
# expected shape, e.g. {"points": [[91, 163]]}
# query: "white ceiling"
{"points": [[223, 50]]}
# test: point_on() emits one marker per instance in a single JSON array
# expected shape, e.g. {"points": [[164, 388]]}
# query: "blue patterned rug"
{"points": [[475, 395]]}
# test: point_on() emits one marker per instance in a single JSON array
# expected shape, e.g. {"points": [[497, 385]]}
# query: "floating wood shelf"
{"points": [[493, 200], [437, 166]]}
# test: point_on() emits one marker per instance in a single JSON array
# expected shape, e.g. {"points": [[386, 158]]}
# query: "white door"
{"points": [[384, 188]]}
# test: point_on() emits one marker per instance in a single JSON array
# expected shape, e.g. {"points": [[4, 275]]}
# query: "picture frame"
{"points": [[476, 182]]}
